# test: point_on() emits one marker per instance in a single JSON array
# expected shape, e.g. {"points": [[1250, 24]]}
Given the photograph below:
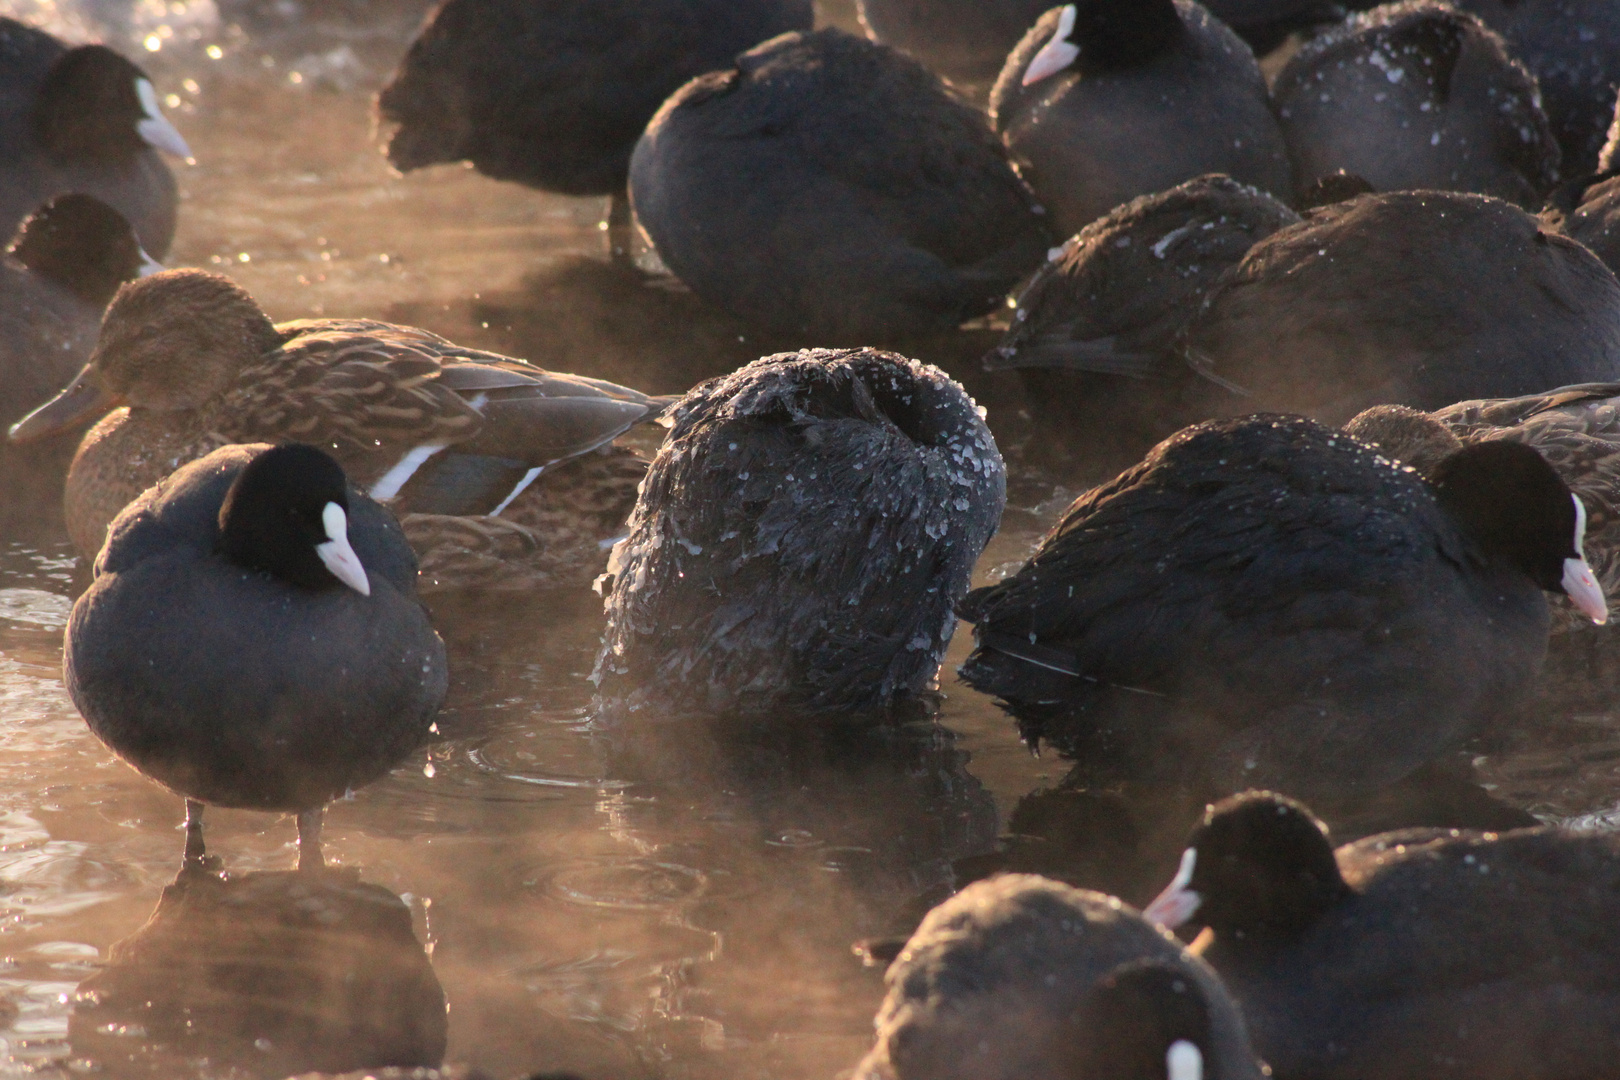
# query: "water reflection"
{"points": [[266, 973], [1126, 839]]}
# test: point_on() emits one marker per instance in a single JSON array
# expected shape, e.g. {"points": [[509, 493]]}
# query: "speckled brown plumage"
{"points": [[200, 366], [553, 536]]}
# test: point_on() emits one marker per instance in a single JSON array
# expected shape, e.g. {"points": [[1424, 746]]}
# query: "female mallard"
{"points": [[502, 473]]}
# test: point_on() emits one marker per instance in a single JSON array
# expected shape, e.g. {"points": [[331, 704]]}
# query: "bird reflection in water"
{"points": [[268, 974]]}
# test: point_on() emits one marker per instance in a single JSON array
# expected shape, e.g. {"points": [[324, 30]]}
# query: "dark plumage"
{"points": [[554, 93], [1427, 952], [1588, 210], [1020, 977], [86, 120], [66, 262], [1106, 100], [966, 41], [1572, 47], [1417, 298], [1264, 24], [799, 540], [827, 184], [1576, 428], [1115, 301], [1417, 95], [252, 637], [1268, 600]]}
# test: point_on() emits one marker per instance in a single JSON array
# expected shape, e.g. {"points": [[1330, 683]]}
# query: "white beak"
{"points": [[1177, 903], [1058, 53], [337, 553], [1580, 584], [155, 127], [1184, 1061], [149, 265]]}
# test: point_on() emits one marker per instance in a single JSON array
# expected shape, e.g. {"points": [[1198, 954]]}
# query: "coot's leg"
{"points": [[620, 231], [309, 839], [196, 857]]}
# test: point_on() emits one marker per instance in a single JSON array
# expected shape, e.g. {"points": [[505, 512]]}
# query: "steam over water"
{"points": [[680, 905]]}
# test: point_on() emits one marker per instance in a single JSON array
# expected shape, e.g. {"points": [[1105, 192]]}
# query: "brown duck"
{"points": [[503, 475], [1576, 428]]}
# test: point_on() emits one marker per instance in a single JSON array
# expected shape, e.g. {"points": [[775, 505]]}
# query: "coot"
{"points": [[827, 184], [1268, 600], [1415, 298], [1417, 95], [1266, 24], [1572, 47], [1096, 319], [799, 541], [554, 93], [252, 638], [1105, 100], [66, 261], [505, 473], [1019, 976], [966, 41], [1425, 952], [1576, 428], [83, 119]]}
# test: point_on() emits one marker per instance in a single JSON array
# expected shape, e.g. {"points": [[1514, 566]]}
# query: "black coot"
{"points": [[966, 41], [1415, 298], [1105, 100], [83, 119], [1417, 95], [1572, 47], [1269, 600], [252, 638], [829, 184], [799, 541], [1265, 24], [554, 93], [64, 265], [1426, 952], [1113, 303], [1020, 977]]}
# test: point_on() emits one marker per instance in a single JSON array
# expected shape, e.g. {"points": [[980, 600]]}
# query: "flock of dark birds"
{"points": [[1352, 333]]}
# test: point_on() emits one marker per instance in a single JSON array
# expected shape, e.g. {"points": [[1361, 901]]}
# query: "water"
{"points": [[675, 906]]}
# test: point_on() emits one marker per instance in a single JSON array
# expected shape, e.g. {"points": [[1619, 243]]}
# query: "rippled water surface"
{"points": [[680, 905]]}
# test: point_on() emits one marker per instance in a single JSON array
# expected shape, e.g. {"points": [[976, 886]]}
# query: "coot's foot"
{"points": [[620, 228], [309, 840], [197, 859]]}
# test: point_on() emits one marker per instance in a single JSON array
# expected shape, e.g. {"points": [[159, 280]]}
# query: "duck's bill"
{"points": [[1583, 590], [83, 400]]}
